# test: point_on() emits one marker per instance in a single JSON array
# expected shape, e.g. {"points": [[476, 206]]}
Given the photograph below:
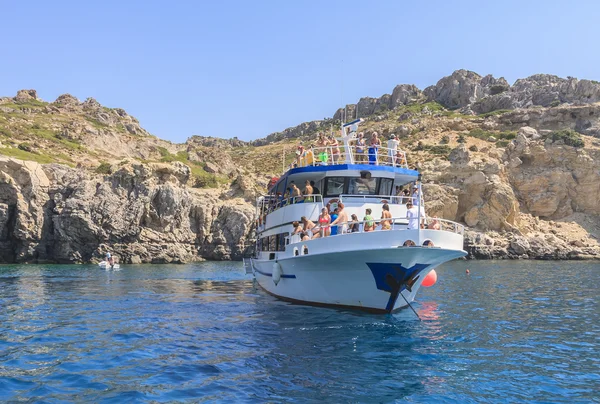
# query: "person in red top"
{"points": [[324, 220]]}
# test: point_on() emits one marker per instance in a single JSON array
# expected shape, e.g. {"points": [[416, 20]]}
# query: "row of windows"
{"points": [[334, 186], [275, 242]]}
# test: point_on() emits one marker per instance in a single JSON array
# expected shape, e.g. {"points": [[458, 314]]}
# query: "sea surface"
{"points": [[510, 331]]}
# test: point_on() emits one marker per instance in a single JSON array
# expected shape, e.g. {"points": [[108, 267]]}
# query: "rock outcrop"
{"points": [[142, 213]]}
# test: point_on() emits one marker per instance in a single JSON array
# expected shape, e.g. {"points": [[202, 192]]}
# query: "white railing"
{"points": [[391, 199], [395, 224], [331, 155], [272, 203]]}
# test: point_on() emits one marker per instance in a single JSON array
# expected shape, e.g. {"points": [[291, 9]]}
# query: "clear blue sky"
{"points": [[249, 68]]}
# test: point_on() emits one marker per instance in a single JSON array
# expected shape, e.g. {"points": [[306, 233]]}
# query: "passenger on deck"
{"points": [[400, 159], [386, 223], [374, 148], [435, 224], [360, 148], [340, 221], [415, 195], [296, 193], [308, 191], [354, 225], [299, 154], [406, 196], [334, 216], [412, 214], [304, 236], [369, 222], [308, 225], [397, 195], [316, 191], [335, 149], [392, 145], [309, 157], [324, 220], [297, 228]]}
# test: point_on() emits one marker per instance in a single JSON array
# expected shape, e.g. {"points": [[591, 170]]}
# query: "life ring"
{"points": [[384, 201], [277, 272], [333, 201]]}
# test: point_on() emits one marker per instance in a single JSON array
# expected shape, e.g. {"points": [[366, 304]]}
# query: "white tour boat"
{"points": [[379, 270]]}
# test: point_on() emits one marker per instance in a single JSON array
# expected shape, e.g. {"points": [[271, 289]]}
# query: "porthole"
{"points": [[409, 243], [428, 243]]}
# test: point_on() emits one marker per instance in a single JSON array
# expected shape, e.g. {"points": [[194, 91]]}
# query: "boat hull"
{"points": [[379, 280]]}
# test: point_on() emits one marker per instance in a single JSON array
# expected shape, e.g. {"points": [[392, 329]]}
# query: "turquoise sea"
{"points": [[510, 331]]}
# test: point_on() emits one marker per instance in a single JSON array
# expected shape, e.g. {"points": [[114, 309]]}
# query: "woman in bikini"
{"points": [[386, 223], [369, 222], [324, 220]]}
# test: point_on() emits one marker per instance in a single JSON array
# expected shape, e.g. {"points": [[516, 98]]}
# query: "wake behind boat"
{"points": [[371, 264]]}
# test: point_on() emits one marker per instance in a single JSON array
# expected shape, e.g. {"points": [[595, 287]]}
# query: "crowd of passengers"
{"points": [[326, 150], [335, 221]]}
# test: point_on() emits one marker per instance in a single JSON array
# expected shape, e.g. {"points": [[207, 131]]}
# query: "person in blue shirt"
{"points": [[334, 215]]}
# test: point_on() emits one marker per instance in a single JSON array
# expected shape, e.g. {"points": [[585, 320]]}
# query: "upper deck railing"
{"points": [[331, 155]]}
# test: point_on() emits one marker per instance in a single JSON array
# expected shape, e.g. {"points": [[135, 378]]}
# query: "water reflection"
{"points": [[205, 331]]}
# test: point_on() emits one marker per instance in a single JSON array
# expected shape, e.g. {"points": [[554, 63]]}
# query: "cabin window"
{"points": [[281, 241], [362, 186], [385, 186], [334, 186]]}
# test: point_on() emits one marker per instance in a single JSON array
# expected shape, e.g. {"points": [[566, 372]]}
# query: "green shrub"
{"points": [[104, 168], [461, 138], [494, 113], [473, 148], [498, 88], [441, 150], [568, 136], [445, 139], [554, 103], [26, 147], [502, 143], [25, 155]]}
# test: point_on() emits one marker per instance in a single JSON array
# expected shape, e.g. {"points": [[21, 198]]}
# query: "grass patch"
{"points": [[167, 157], [104, 168], [55, 138], [568, 136], [502, 143], [440, 150], [494, 113], [31, 104], [25, 155], [96, 123]]}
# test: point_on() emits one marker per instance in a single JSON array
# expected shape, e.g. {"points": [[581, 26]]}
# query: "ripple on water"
{"points": [[509, 331]]}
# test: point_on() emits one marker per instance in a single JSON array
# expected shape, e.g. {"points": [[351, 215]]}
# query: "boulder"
{"points": [[25, 95]]}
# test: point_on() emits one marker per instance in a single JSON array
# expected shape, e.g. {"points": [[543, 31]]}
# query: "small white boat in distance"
{"points": [[105, 265], [378, 270]]}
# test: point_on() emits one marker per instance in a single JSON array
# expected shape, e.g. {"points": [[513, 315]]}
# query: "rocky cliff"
{"points": [[518, 165]]}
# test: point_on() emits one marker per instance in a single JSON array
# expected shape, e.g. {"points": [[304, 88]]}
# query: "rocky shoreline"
{"points": [[518, 165]]}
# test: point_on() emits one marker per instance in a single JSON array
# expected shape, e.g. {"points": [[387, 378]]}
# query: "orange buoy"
{"points": [[430, 279], [468, 271]]}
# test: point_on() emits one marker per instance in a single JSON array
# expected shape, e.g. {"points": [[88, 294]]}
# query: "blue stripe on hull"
{"points": [[271, 275], [394, 278]]}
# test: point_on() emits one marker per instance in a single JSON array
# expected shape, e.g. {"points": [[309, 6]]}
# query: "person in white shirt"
{"points": [[415, 195], [392, 145], [412, 214]]}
